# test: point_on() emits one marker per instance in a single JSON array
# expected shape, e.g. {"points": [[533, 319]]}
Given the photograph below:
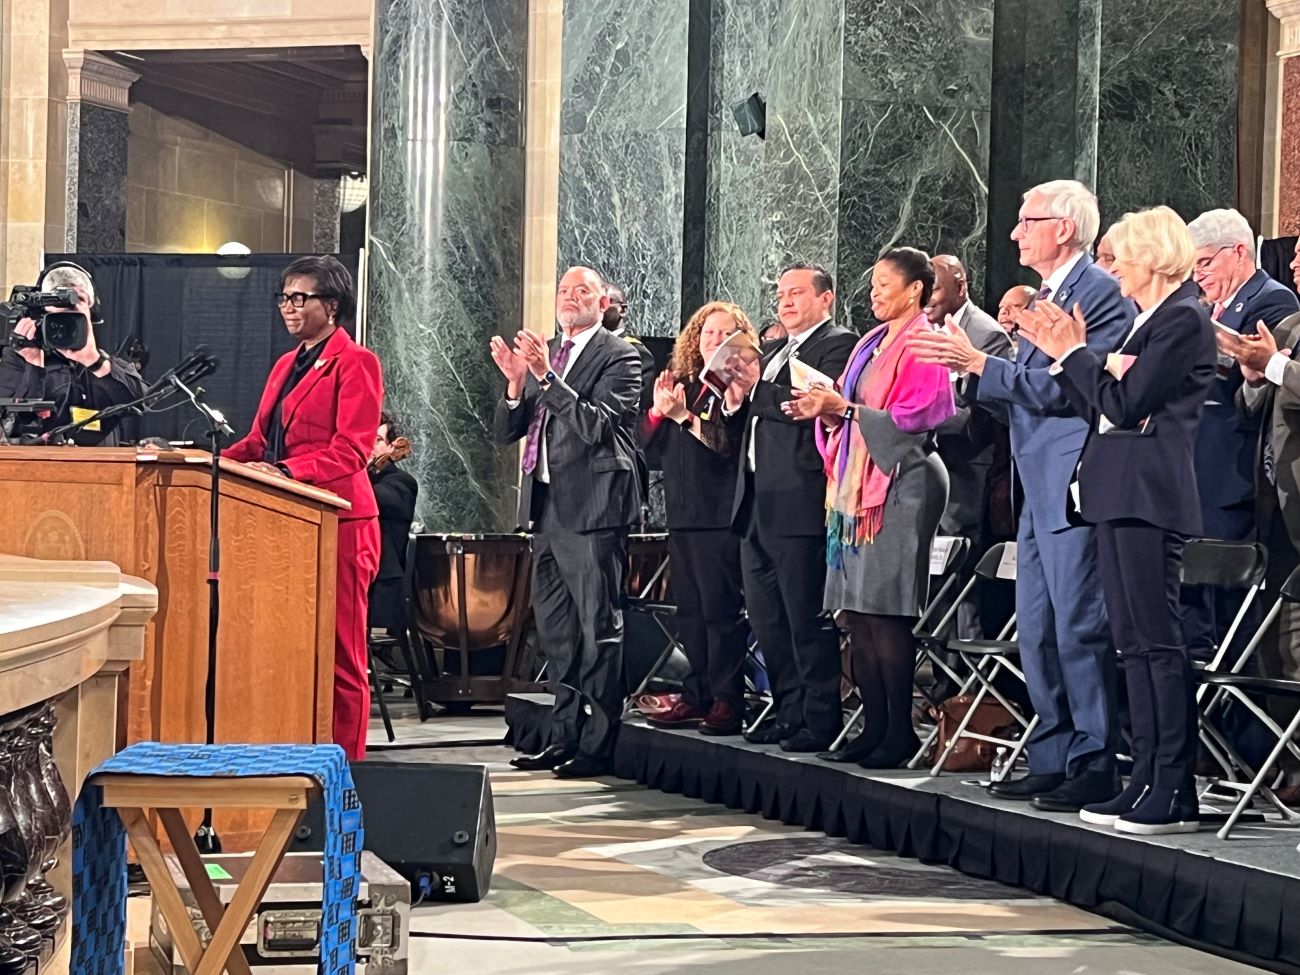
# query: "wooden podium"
{"points": [[147, 512]]}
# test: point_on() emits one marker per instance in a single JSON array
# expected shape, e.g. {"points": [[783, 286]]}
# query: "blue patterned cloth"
{"points": [[99, 844]]}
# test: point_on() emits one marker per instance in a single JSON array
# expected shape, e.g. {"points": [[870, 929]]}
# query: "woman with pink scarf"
{"points": [[886, 489]]}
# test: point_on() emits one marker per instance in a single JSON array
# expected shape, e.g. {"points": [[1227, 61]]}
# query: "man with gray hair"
{"points": [[1065, 643], [80, 382]]}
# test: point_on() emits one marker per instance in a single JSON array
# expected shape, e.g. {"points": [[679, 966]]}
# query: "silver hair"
{"points": [[69, 277], [1222, 228], [1070, 199]]}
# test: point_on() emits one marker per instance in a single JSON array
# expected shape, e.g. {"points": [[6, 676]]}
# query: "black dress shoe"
{"points": [[582, 767], [1026, 788], [769, 734], [1085, 789], [853, 751], [545, 760], [892, 754], [804, 740]]}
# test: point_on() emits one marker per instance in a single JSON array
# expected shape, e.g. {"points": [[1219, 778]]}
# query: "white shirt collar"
{"points": [[962, 313], [1143, 317], [580, 342], [802, 337], [1057, 277]]}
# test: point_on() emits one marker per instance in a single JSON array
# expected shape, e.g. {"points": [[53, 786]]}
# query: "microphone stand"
{"points": [[205, 837]]}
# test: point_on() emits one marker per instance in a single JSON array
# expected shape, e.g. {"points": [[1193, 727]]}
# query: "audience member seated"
{"points": [[886, 493], [1143, 403], [395, 494], [1065, 645], [698, 449]]}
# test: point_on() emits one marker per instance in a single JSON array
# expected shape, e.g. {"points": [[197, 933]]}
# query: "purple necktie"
{"points": [[534, 442]]}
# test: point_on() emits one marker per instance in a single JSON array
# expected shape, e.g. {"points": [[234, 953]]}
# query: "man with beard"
{"points": [[574, 402]]}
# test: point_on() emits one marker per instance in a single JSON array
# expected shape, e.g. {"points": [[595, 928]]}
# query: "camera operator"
{"points": [[79, 382]]}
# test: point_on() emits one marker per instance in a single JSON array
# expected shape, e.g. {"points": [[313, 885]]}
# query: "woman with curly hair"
{"points": [[697, 448]]}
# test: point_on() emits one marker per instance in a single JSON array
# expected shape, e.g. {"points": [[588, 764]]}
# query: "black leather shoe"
{"points": [[804, 740], [545, 760], [769, 734], [854, 750], [1085, 789], [1026, 788], [582, 767], [892, 754]]}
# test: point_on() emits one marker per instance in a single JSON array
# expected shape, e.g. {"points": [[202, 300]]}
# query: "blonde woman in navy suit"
{"points": [[1136, 484]]}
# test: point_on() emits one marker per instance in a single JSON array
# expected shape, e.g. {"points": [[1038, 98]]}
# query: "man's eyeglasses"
{"points": [[1203, 263], [1024, 222], [298, 298]]}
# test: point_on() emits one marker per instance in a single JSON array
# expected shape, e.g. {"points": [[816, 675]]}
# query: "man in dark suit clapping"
{"points": [[780, 513], [574, 401]]}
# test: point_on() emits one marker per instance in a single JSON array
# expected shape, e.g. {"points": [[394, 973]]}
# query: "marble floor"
{"points": [[593, 875], [604, 875]]}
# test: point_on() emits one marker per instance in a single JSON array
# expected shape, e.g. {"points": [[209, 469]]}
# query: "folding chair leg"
{"points": [[1258, 781], [848, 726], [767, 709], [383, 704]]}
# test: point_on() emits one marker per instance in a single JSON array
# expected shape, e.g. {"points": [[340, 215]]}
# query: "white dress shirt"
{"points": [[778, 361], [542, 471]]}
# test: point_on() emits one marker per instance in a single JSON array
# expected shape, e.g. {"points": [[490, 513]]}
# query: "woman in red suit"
{"points": [[316, 424]]}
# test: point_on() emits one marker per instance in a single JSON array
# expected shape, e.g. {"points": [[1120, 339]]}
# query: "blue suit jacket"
{"points": [[1047, 434], [1226, 440]]}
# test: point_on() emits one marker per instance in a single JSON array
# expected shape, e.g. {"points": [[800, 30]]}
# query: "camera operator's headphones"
{"points": [[96, 311]]}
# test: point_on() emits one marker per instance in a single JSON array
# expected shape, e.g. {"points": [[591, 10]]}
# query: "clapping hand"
{"points": [[817, 401], [949, 347], [670, 397], [511, 364], [747, 370], [1252, 352], [534, 351], [1050, 328]]}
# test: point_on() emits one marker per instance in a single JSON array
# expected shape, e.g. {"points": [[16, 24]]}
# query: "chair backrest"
{"points": [[947, 552], [999, 562], [647, 566], [1290, 590], [468, 591], [1224, 565]]}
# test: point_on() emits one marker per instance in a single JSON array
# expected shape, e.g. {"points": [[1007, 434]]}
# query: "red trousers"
{"points": [[358, 564]]}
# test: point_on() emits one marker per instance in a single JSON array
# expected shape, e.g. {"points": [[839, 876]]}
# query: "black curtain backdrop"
{"points": [[175, 302]]}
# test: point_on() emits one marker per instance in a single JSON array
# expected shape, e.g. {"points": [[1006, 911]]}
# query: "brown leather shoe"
{"points": [[723, 719], [1288, 795], [681, 716]]}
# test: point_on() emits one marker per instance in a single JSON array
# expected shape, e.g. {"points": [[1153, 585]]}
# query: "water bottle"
{"points": [[999, 770]]}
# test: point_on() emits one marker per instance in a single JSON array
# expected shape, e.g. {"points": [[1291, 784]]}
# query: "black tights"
{"points": [[882, 657]]}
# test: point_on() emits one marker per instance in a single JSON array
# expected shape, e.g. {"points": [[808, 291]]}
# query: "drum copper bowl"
{"points": [[495, 589]]}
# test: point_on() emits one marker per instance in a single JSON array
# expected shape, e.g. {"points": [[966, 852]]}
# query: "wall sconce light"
{"points": [[233, 250], [354, 192]]}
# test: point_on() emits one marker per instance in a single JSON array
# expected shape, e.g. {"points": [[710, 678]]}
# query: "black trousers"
{"points": [[706, 587], [785, 580], [578, 580], [1139, 567]]}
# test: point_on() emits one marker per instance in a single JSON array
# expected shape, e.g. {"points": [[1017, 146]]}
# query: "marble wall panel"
{"points": [[445, 247], [1168, 106], [736, 213], [101, 190], [623, 151], [1288, 215], [912, 175]]}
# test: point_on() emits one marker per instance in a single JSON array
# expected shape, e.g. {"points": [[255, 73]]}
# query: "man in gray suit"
{"points": [[574, 401], [967, 439]]}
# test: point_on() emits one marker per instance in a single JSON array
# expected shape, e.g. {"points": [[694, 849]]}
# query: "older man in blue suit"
{"points": [[1065, 644]]}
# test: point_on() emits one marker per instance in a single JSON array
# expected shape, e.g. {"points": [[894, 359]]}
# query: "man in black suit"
{"points": [[780, 513], [968, 439], [395, 494], [574, 403], [615, 319]]}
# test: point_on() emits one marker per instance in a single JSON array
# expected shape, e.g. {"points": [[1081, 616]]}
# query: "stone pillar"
{"points": [[98, 122], [623, 151], [1288, 142], [444, 256], [327, 197]]}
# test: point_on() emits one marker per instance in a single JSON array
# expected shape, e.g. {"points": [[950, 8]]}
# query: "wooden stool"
{"points": [[134, 796]]}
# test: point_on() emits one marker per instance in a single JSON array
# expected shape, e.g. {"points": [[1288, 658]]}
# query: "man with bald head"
{"points": [[967, 440], [574, 401], [1016, 299]]}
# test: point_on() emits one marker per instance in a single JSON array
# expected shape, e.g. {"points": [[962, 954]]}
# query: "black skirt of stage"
{"points": [[1230, 897]]}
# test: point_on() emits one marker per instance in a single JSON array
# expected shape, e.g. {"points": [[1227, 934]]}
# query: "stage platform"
{"points": [[1230, 897]]}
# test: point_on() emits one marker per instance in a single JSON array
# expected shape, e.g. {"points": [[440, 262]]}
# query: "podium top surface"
{"points": [[149, 455]]}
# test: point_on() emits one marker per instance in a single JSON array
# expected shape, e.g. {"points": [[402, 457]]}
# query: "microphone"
{"points": [[195, 360]]}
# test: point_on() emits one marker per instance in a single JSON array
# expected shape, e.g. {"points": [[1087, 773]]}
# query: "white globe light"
{"points": [[354, 191], [233, 248]]}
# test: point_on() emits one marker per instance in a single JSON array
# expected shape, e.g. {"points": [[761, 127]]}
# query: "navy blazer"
{"points": [[1226, 440], [1142, 468], [1047, 433]]}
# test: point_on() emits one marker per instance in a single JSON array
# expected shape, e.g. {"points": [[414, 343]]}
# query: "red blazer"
{"points": [[330, 421]]}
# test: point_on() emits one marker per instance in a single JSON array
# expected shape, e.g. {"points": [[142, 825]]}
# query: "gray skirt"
{"points": [[891, 575]]}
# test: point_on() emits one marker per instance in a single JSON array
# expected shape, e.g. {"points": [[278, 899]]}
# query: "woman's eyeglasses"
{"points": [[298, 298]]}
